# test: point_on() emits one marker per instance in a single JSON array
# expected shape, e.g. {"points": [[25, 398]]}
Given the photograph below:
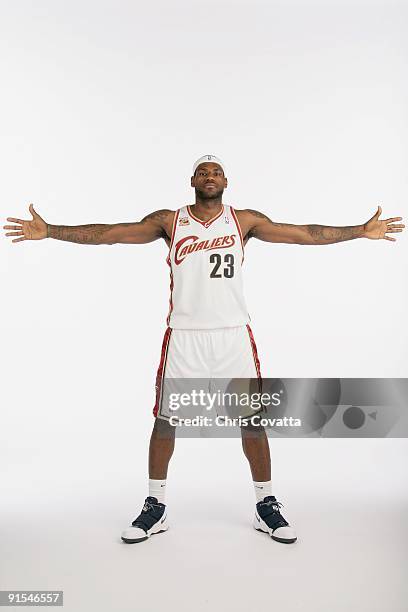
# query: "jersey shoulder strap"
{"points": [[234, 219]]}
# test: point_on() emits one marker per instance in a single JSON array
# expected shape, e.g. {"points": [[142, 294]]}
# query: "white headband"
{"points": [[208, 158]]}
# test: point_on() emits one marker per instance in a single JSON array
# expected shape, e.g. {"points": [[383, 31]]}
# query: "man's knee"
{"points": [[250, 430], [163, 429]]}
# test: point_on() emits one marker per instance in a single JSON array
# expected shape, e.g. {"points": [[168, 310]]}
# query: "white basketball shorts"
{"points": [[216, 355]]}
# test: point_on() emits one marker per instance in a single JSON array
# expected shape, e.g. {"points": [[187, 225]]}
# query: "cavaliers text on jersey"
{"points": [[205, 259]]}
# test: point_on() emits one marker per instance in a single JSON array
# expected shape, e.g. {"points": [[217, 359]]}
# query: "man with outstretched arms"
{"points": [[208, 333]]}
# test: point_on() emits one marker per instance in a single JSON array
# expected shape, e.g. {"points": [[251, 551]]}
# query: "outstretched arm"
{"points": [[155, 225], [257, 225]]}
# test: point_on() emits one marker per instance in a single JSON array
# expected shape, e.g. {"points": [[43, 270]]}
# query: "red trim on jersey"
{"points": [[171, 296], [254, 352], [173, 233], [205, 223], [233, 213], [161, 370]]}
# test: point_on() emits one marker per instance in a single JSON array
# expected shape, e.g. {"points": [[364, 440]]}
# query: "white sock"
{"points": [[262, 489], [157, 488]]}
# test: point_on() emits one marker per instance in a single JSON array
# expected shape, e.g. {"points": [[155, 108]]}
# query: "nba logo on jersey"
{"points": [[184, 221]]}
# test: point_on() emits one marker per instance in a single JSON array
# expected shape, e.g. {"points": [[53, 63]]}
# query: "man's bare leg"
{"points": [[267, 514], [161, 449], [256, 449], [153, 517]]}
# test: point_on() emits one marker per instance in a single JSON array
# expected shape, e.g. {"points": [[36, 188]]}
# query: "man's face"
{"points": [[209, 181]]}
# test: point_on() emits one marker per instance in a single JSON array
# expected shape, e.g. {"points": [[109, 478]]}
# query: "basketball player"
{"points": [[208, 333]]}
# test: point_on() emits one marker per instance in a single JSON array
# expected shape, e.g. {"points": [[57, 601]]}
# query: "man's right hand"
{"points": [[36, 229]]}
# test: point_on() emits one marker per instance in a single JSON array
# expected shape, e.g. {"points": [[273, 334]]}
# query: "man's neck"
{"points": [[206, 209]]}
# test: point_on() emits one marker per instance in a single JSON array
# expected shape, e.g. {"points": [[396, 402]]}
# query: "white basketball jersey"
{"points": [[205, 261]]}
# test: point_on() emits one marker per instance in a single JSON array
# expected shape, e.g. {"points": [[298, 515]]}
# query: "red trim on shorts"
{"points": [[254, 352], [205, 223], [234, 215], [161, 369]]}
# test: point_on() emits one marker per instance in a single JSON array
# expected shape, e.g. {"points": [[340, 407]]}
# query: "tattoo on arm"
{"points": [[326, 234], [160, 216], [308, 234], [98, 233], [259, 215], [92, 233]]}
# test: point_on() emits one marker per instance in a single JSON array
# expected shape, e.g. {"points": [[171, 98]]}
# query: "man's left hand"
{"points": [[376, 229]]}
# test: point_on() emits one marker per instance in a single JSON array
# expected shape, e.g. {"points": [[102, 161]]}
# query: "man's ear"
{"points": [[225, 183], [192, 181]]}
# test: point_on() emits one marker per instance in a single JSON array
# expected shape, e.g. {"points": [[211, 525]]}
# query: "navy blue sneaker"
{"points": [[151, 520], [269, 519]]}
